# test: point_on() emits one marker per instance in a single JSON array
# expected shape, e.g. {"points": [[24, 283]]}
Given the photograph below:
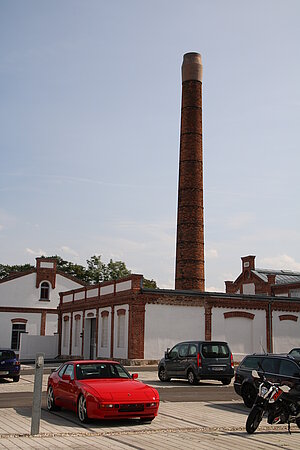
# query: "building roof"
{"points": [[281, 276]]}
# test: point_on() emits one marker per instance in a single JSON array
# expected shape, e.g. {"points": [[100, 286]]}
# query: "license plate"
{"points": [[4, 372], [217, 369]]}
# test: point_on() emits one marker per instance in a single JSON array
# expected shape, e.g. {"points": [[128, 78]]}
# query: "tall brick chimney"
{"points": [[190, 222]]}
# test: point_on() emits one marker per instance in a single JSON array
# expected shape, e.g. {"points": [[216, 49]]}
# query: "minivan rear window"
{"points": [[215, 351]]}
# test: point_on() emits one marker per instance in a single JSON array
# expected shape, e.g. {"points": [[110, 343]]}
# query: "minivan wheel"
{"points": [[248, 395], [191, 377], [162, 374], [226, 381]]}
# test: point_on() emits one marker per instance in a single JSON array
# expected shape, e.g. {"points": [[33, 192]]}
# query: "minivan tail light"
{"points": [[231, 361], [199, 361]]}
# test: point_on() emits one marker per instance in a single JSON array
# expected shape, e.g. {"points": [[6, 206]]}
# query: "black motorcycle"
{"points": [[274, 400]]}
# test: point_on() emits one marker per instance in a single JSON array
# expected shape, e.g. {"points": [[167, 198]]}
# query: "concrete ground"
{"points": [[179, 425]]}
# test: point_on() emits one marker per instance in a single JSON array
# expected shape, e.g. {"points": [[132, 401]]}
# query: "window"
{"points": [[60, 373], [17, 329], [66, 331], [288, 368], [174, 352], [215, 351], [77, 331], [70, 371], [193, 350], [183, 350], [270, 365], [251, 363], [104, 331], [121, 329], [45, 291]]}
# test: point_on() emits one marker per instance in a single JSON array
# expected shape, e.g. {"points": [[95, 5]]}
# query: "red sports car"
{"points": [[101, 390]]}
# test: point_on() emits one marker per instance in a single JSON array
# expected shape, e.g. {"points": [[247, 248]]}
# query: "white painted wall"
{"points": [[30, 345], [167, 325], [51, 324], [104, 352], [243, 335], [286, 333], [22, 292], [120, 352], [33, 325]]}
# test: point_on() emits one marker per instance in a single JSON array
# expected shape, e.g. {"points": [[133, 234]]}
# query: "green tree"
{"points": [[149, 284], [6, 270], [95, 272]]}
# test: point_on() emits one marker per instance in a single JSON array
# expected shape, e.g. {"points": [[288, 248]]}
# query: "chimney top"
{"points": [[192, 67]]}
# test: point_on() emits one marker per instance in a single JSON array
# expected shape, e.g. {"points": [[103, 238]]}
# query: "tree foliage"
{"points": [[95, 272]]}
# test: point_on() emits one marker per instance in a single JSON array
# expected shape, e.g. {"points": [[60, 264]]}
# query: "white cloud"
{"points": [[284, 262], [68, 251], [241, 220], [36, 253], [211, 253]]}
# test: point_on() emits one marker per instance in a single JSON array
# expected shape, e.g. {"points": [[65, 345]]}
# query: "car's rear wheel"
{"points": [[248, 395], [226, 381], [16, 378], [82, 409], [192, 379], [51, 406], [162, 374]]}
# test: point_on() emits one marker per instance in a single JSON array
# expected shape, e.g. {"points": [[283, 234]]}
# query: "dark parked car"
{"points": [[283, 369], [197, 360], [9, 365]]}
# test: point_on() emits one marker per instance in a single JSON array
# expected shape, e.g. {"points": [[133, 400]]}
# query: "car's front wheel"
{"points": [[146, 419], [16, 378], [248, 395], [192, 379], [82, 409], [51, 406], [162, 374]]}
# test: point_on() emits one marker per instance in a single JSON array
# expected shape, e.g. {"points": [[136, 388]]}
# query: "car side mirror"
{"points": [[135, 376], [255, 374], [66, 377]]}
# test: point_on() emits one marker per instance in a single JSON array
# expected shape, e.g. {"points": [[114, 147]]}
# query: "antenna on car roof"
{"points": [[263, 349]]}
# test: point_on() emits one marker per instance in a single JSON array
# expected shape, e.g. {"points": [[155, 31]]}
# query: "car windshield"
{"points": [[6, 354], [100, 370]]}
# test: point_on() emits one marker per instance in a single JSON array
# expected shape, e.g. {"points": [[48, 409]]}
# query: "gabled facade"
{"points": [[283, 283], [29, 300]]}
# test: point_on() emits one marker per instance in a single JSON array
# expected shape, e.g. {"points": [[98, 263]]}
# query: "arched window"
{"points": [[45, 291]]}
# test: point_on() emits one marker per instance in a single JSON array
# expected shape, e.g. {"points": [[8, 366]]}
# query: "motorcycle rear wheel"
{"points": [[254, 419]]}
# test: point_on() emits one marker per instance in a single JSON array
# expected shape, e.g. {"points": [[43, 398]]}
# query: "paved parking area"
{"points": [[179, 425]]}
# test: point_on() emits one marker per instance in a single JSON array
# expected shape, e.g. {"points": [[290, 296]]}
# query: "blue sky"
{"points": [[90, 123]]}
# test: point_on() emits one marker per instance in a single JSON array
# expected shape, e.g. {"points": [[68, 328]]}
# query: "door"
{"points": [[93, 339]]}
